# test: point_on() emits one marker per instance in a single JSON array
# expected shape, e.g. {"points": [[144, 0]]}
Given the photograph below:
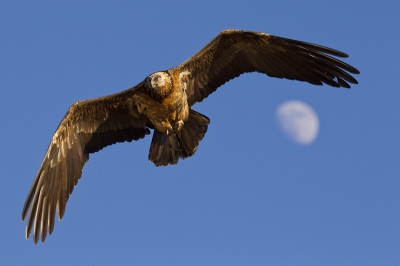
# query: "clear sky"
{"points": [[250, 195]]}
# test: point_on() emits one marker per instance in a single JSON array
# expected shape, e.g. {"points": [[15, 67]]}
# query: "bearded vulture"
{"points": [[162, 102]]}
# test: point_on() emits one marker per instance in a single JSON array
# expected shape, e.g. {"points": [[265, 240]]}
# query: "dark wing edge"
{"points": [[234, 52], [87, 127]]}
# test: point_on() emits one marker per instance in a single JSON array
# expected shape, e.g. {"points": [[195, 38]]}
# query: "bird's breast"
{"points": [[168, 114]]}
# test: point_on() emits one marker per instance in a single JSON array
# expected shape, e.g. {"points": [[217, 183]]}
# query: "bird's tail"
{"points": [[167, 149]]}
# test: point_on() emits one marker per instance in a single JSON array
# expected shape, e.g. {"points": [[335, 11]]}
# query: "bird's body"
{"points": [[162, 102], [167, 107]]}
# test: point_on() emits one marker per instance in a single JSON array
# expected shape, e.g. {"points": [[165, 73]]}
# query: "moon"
{"points": [[299, 121]]}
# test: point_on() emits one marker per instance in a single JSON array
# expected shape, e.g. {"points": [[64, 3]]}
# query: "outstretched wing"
{"points": [[87, 127], [234, 52]]}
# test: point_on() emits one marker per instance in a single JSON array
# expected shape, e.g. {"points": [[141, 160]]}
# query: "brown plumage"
{"points": [[163, 102]]}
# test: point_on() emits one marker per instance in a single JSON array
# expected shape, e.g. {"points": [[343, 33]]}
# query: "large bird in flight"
{"points": [[162, 102]]}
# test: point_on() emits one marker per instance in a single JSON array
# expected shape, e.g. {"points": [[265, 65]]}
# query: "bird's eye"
{"points": [[158, 78]]}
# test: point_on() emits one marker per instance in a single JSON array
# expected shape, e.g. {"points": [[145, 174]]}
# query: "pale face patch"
{"points": [[159, 84]]}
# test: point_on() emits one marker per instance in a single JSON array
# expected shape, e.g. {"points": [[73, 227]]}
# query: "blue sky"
{"points": [[249, 196]]}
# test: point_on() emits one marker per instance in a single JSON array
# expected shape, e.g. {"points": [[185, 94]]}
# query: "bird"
{"points": [[163, 102]]}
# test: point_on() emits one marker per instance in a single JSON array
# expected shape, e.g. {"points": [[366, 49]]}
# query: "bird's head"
{"points": [[159, 85]]}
